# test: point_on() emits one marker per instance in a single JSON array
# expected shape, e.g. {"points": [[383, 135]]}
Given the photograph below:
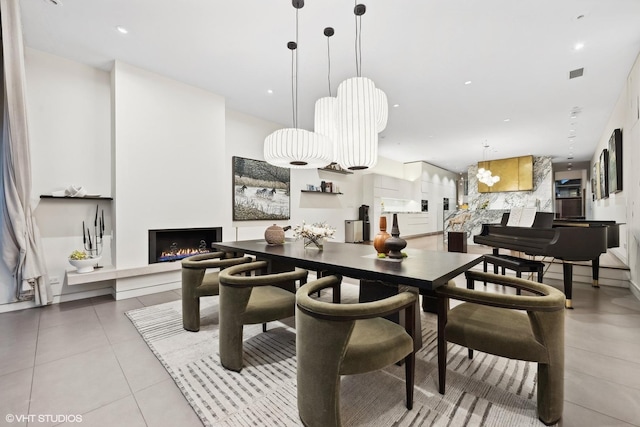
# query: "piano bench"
{"points": [[519, 265]]}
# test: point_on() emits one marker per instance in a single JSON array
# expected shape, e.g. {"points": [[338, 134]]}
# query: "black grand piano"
{"points": [[567, 240]]}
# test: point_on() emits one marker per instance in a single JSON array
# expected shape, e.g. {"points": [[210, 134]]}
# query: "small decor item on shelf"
{"points": [[274, 235], [314, 235], [379, 239], [395, 244], [83, 262], [70, 191]]}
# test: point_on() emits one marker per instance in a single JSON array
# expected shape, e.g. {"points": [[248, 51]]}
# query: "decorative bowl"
{"points": [[84, 265]]}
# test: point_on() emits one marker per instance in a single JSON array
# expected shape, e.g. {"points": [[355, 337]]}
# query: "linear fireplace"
{"points": [[177, 243]]}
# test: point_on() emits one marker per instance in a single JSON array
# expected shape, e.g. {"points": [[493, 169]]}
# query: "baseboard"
{"points": [[635, 289], [57, 299], [146, 290], [15, 306]]}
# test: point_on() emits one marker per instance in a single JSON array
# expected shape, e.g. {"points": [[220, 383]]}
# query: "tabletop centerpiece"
{"points": [[314, 235]]}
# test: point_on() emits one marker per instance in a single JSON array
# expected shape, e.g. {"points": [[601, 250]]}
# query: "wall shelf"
{"points": [[48, 196], [318, 192], [340, 171]]}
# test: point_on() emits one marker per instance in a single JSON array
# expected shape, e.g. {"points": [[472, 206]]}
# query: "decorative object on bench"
{"points": [[196, 282], [457, 222], [248, 300], [94, 246], [494, 323], [346, 339], [82, 262]]}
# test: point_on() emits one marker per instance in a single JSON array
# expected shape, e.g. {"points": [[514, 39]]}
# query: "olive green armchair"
{"points": [[524, 327], [346, 339], [250, 296], [197, 282]]}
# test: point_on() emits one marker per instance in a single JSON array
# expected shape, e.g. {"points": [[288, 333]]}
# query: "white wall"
{"points": [[624, 207], [65, 151], [169, 159]]}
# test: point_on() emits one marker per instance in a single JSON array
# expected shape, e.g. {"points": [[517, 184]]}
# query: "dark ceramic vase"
{"points": [[381, 237], [395, 244]]}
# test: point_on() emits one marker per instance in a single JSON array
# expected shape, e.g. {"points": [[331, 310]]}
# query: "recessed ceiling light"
{"points": [[578, 46], [269, 91], [507, 120], [468, 82], [122, 30], [396, 105]]}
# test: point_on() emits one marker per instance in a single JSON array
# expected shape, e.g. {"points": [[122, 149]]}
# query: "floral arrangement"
{"points": [[315, 232]]}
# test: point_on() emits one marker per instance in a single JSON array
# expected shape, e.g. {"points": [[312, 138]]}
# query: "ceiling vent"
{"points": [[578, 72]]}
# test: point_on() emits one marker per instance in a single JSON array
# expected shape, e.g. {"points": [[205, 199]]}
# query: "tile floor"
{"points": [[85, 358]]}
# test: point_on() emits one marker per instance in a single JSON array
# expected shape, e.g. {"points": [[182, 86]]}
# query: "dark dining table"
{"points": [[379, 277], [423, 269]]}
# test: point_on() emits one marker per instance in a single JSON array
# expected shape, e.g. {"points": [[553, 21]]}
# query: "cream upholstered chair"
{"points": [[197, 282], [249, 299], [524, 327], [346, 339]]}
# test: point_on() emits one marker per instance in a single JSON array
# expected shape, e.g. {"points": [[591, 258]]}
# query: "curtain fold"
{"points": [[21, 248]]}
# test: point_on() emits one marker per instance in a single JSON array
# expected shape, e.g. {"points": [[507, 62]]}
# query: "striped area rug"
{"points": [[485, 391]]}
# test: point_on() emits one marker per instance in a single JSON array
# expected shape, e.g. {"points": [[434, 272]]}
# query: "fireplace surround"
{"points": [[173, 244]]}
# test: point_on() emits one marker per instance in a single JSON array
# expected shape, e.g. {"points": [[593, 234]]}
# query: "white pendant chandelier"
{"points": [[292, 147], [484, 175], [297, 149], [357, 124], [355, 117]]}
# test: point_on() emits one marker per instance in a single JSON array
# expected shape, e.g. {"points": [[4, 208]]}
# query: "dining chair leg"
{"points": [[410, 370], [264, 327]]}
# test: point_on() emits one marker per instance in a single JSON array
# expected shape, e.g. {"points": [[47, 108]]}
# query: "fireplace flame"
{"points": [[177, 254]]}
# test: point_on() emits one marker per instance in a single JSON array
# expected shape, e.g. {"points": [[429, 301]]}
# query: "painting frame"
{"points": [[615, 162], [260, 191], [595, 181], [604, 174]]}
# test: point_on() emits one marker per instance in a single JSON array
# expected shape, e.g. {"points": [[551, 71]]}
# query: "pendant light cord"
{"points": [[329, 62], [359, 10], [294, 77], [329, 32]]}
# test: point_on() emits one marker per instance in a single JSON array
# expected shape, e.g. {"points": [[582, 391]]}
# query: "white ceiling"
{"points": [[516, 53]]}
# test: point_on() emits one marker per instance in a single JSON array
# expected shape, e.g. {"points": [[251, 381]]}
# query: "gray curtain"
{"points": [[21, 248]]}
